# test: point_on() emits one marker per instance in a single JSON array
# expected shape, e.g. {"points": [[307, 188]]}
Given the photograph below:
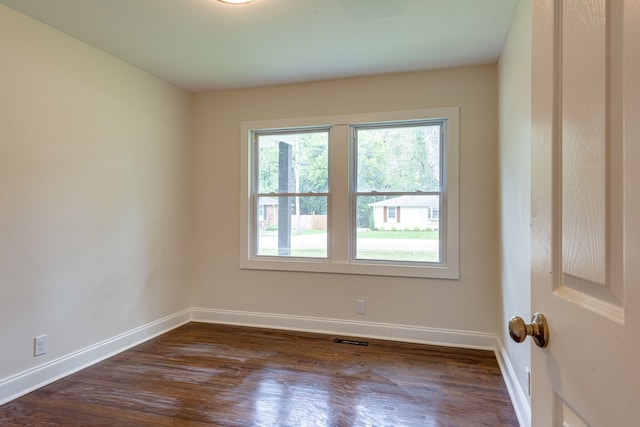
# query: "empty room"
{"points": [[319, 212]]}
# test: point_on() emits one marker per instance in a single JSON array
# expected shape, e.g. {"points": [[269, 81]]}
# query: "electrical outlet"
{"points": [[528, 379], [359, 306], [39, 345]]}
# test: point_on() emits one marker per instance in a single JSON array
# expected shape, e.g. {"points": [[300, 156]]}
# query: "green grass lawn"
{"points": [[369, 234], [293, 232], [298, 252], [404, 254], [373, 254], [420, 256], [399, 234]]}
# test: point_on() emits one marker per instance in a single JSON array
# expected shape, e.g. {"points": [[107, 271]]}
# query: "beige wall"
{"points": [[93, 194], [470, 304], [514, 69]]}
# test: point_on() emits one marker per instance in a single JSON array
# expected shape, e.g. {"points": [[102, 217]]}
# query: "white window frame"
{"points": [[340, 213]]}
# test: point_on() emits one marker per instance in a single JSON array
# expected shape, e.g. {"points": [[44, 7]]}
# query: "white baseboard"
{"points": [[415, 334], [32, 379], [517, 394]]}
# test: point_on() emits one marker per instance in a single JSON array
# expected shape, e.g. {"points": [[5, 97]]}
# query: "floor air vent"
{"points": [[352, 342]]}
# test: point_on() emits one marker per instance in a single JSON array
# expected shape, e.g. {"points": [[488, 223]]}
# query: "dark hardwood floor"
{"points": [[204, 374]]}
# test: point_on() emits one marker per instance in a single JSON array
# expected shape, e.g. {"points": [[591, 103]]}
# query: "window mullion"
{"points": [[339, 217], [307, 194], [398, 193]]}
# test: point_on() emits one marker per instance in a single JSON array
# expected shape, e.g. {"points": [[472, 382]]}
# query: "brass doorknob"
{"points": [[537, 329]]}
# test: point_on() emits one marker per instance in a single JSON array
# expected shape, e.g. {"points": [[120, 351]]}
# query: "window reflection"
{"points": [[283, 404]]}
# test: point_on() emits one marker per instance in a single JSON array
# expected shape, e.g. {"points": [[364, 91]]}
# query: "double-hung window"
{"points": [[359, 194], [290, 175]]}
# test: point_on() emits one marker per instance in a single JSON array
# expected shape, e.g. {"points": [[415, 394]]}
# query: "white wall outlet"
{"points": [[528, 379], [359, 306], [39, 345]]}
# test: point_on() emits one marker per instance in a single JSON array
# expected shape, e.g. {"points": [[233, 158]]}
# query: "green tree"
{"points": [[311, 162], [389, 159], [395, 159], [309, 167]]}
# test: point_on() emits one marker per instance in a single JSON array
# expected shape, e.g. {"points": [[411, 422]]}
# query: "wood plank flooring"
{"points": [[205, 374]]}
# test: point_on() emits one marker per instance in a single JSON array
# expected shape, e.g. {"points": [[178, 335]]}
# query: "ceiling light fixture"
{"points": [[235, 1]]}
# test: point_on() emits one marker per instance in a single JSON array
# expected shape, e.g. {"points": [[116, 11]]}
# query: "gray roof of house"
{"points": [[410, 201], [267, 201]]}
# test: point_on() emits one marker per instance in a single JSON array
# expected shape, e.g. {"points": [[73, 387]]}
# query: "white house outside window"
{"points": [[359, 194]]}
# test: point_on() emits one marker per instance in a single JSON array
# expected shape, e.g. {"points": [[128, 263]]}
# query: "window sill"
{"points": [[355, 268]]}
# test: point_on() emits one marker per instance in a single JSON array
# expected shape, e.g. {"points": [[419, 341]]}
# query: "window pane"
{"points": [[292, 226], [411, 233], [293, 162], [398, 159]]}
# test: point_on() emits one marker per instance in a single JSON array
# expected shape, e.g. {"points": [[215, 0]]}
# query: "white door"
{"points": [[586, 211]]}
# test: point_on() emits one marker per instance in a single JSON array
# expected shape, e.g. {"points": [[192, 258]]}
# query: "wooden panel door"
{"points": [[586, 211]]}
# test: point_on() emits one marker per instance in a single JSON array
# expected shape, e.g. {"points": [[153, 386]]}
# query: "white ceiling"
{"points": [[204, 45]]}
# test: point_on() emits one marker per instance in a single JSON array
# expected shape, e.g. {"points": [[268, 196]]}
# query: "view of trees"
{"points": [[399, 159], [308, 171], [395, 159], [389, 159]]}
